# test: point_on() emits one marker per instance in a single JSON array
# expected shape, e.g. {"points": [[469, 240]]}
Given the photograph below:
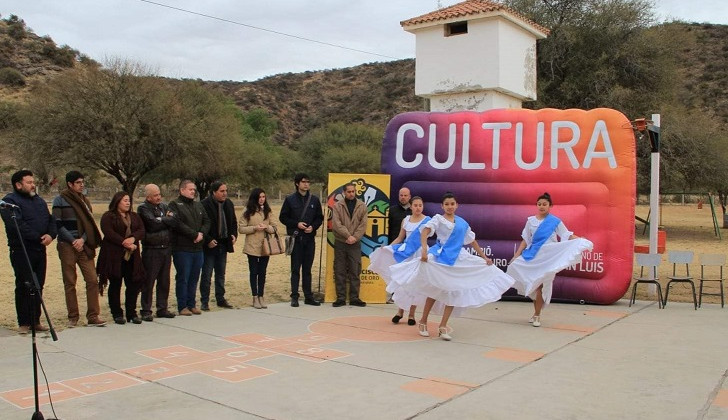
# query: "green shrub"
{"points": [[16, 27], [11, 77]]}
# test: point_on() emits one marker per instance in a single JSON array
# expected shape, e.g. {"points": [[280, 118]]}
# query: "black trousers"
{"points": [[23, 278], [257, 267], [301, 263], [130, 294], [157, 263]]}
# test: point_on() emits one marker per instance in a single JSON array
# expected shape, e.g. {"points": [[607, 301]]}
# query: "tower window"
{"points": [[456, 28]]}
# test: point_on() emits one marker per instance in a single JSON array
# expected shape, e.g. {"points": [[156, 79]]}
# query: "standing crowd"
{"points": [[138, 248]]}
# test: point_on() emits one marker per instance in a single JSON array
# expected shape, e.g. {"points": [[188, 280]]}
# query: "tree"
{"points": [[604, 53], [213, 153], [340, 147], [263, 160], [120, 120], [693, 153], [601, 53], [240, 151], [257, 124]]}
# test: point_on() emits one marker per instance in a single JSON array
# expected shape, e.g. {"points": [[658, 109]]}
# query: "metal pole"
{"points": [[654, 190]]}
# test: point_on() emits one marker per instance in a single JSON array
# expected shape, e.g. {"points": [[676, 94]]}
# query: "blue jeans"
{"points": [[215, 259], [188, 266]]}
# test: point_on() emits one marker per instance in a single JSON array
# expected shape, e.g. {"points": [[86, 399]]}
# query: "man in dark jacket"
{"points": [[37, 231], [302, 220], [156, 253], [190, 225], [219, 241], [397, 213]]}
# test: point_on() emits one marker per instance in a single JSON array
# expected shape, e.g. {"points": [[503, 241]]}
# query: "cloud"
{"points": [[185, 45]]}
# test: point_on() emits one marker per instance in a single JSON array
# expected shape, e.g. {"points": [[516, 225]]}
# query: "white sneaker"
{"points": [[530, 320], [536, 321]]}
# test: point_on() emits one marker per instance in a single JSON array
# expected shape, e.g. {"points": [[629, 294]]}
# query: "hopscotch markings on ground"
{"points": [[228, 365], [25, 398]]}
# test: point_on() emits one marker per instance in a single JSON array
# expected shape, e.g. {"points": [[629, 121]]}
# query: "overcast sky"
{"points": [[181, 44]]}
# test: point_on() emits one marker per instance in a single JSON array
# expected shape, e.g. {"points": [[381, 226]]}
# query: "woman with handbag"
{"points": [[258, 224]]}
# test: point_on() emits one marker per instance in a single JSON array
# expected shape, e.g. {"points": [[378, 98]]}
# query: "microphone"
{"points": [[6, 205]]}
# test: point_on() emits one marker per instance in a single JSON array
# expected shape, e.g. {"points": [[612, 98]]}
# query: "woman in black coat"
{"points": [[120, 257]]}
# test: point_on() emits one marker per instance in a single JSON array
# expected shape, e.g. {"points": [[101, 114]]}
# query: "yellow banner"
{"points": [[373, 190]]}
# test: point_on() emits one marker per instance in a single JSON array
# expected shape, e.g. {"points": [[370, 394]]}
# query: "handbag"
{"points": [[290, 242], [272, 244]]}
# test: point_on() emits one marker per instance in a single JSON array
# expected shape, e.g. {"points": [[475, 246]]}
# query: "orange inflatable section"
{"points": [[498, 162]]}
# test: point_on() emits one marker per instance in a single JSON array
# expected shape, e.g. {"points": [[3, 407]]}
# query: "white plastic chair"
{"points": [[711, 263], [648, 262], [680, 257]]}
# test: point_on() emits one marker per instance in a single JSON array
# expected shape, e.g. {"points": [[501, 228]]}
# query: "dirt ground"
{"points": [[687, 227]]}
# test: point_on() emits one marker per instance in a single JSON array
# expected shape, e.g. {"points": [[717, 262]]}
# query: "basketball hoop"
{"points": [[647, 127]]}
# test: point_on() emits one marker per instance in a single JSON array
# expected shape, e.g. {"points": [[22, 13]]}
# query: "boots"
{"points": [[262, 304], [256, 302]]}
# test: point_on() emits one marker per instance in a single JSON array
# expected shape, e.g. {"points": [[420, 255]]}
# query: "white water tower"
{"points": [[475, 55]]}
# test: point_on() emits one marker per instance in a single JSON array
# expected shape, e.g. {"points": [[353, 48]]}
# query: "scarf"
{"points": [[411, 244], [542, 234], [82, 207], [127, 222], [448, 253]]}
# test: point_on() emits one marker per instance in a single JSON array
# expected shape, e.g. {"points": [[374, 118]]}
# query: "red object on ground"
{"points": [[661, 242]]}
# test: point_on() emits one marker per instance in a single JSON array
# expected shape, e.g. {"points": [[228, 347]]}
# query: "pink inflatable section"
{"points": [[498, 162]]}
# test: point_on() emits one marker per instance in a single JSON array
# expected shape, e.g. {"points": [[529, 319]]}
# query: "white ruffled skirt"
{"points": [[469, 283], [541, 270], [380, 262]]}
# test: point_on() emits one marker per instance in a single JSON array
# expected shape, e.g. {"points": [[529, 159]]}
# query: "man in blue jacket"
{"points": [[37, 231]]}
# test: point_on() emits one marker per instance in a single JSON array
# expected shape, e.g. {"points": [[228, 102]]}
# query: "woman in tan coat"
{"points": [[257, 218]]}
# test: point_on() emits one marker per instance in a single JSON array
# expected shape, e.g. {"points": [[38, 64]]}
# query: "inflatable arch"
{"points": [[498, 162]]}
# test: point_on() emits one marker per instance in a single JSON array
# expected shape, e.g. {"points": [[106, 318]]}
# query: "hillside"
{"points": [[705, 68], [26, 58], [374, 93], [369, 93]]}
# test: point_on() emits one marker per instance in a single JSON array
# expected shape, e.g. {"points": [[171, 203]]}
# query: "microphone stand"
{"points": [[35, 295]]}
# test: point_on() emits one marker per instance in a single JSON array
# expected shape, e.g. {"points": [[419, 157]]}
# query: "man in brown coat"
{"points": [[78, 238], [349, 224]]}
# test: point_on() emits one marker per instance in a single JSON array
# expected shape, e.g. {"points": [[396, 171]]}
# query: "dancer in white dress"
{"points": [[447, 273], [402, 248], [540, 256]]}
